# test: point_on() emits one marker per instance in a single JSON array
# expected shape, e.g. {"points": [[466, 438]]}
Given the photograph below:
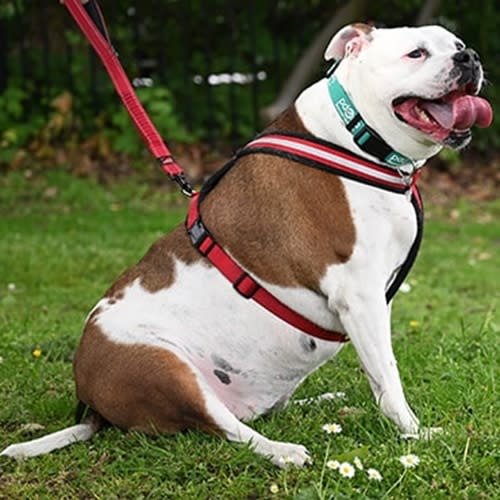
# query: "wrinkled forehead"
{"points": [[435, 39]]}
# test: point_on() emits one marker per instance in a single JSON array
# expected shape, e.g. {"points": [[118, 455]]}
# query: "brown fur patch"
{"points": [[364, 28], [138, 387], [283, 221], [156, 269]]}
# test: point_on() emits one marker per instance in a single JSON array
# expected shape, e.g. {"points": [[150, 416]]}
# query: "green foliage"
{"points": [[8, 8], [15, 131], [173, 42], [159, 104]]}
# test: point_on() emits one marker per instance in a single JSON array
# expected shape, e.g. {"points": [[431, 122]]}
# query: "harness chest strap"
{"points": [[315, 153]]}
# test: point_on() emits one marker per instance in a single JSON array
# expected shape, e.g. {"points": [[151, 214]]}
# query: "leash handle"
{"points": [[90, 20]]}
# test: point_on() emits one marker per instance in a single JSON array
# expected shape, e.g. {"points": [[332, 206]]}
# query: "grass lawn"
{"points": [[63, 241]]}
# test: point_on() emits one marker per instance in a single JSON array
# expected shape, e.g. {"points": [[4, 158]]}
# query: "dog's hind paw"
{"points": [[424, 433], [16, 451], [287, 454]]}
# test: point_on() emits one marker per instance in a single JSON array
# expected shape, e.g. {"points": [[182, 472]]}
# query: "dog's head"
{"points": [[416, 86]]}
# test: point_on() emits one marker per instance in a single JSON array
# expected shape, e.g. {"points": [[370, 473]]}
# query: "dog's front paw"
{"points": [[424, 433], [286, 454]]}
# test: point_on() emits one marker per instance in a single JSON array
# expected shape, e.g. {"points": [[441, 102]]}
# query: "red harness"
{"points": [[315, 153]]}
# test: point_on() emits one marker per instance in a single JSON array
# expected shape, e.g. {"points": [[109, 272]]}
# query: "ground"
{"points": [[65, 239]]}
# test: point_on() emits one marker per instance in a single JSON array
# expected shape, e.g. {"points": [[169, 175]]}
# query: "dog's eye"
{"points": [[417, 54]]}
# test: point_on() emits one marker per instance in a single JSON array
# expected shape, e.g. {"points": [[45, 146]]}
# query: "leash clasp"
{"points": [[184, 185]]}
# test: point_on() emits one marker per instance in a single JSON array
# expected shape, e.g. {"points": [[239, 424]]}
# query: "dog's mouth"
{"points": [[451, 114]]}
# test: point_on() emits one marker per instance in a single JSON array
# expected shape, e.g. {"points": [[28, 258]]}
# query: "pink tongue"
{"points": [[461, 113]]}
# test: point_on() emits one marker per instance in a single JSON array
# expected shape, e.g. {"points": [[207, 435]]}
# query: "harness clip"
{"points": [[201, 238]]}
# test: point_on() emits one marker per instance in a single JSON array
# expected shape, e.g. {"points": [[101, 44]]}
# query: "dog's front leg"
{"points": [[366, 318]]}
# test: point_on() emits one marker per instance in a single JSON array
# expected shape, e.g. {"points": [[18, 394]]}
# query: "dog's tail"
{"points": [[89, 423]]}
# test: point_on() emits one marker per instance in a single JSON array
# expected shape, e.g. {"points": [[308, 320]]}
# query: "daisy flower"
{"points": [[332, 428], [333, 464], [374, 475], [409, 461], [274, 488], [347, 470]]}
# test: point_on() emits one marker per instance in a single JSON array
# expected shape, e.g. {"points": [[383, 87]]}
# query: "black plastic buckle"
{"points": [[252, 286], [198, 234]]}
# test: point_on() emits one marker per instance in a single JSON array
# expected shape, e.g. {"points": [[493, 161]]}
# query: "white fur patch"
{"points": [[54, 441]]}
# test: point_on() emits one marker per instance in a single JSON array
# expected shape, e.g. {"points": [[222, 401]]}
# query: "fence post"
{"points": [[3, 55]]}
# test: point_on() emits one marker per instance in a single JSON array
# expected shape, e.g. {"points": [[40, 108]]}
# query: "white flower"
{"points": [[410, 460], [333, 464], [357, 463], [274, 488], [332, 428], [374, 475], [405, 287], [11, 287], [347, 470]]}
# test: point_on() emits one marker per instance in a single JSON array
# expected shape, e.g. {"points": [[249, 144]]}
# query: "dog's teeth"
{"points": [[423, 115]]}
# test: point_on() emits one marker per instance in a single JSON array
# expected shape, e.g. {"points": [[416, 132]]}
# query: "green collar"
{"points": [[364, 136]]}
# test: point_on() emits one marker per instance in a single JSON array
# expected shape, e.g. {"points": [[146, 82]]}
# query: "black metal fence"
{"points": [[218, 66], [220, 60]]}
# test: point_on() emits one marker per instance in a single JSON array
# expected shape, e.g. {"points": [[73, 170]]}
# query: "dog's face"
{"points": [[416, 86]]}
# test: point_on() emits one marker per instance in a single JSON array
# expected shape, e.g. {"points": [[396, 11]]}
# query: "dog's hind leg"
{"points": [[153, 390], [54, 441], [280, 453]]}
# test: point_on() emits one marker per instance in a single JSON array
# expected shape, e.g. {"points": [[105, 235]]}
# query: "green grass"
{"points": [[62, 243]]}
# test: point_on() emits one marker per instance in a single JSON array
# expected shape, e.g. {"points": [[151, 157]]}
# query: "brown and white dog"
{"points": [[171, 346]]}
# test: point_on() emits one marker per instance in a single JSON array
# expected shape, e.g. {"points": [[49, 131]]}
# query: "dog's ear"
{"points": [[349, 41]]}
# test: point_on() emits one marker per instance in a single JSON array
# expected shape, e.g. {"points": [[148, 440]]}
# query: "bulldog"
{"points": [[185, 340]]}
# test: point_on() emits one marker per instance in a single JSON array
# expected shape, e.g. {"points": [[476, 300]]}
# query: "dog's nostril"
{"points": [[462, 57], [466, 56]]}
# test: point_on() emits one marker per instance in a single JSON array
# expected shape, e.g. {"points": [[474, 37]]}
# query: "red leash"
{"points": [[91, 22]]}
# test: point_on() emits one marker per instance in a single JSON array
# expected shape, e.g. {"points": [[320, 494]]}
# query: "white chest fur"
{"points": [[386, 227]]}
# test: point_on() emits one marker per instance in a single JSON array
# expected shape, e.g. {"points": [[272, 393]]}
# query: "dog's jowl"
{"points": [[321, 216]]}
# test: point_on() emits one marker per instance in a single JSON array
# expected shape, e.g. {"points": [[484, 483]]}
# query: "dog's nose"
{"points": [[467, 57], [467, 62]]}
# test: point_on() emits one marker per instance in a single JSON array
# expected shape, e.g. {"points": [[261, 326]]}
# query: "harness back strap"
{"points": [[315, 153]]}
